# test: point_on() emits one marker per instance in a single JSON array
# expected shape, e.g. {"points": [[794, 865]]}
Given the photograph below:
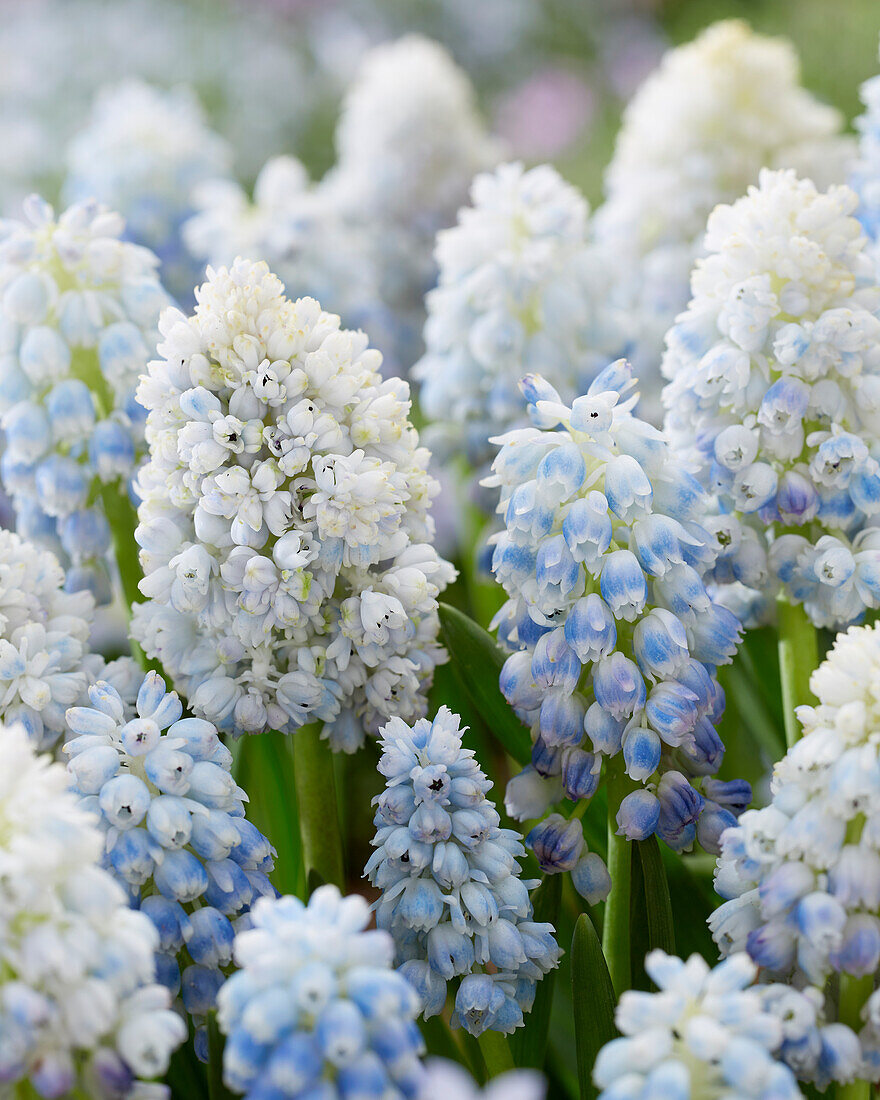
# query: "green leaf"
{"points": [[216, 1089], [529, 1043], [265, 771], [478, 660], [186, 1075], [651, 923], [496, 1053], [661, 927], [592, 1002]]}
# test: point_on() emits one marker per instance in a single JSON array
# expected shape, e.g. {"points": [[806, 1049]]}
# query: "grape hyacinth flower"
{"points": [[175, 832], [306, 240], [774, 399], [518, 290], [802, 875], [315, 1009], [705, 1034], [284, 520], [614, 638], [452, 895], [679, 154], [78, 315], [79, 1007], [44, 640], [445, 1080], [142, 153], [409, 141], [864, 177]]}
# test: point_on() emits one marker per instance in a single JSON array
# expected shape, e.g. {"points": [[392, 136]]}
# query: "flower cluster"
{"points": [[299, 231], [284, 525], [679, 154], [705, 1034], [802, 875], [452, 896], [518, 290], [44, 639], [774, 398], [315, 1008], [79, 1009], [864, 177], [175, 832], [614, 637], [78, 315], [409, 141], [142, 153]]}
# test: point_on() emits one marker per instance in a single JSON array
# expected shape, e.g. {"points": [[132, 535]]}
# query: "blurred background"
{"points": [[552, 75]]}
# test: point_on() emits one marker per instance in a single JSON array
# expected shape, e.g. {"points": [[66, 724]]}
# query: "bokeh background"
{"points": [[552, 75]]}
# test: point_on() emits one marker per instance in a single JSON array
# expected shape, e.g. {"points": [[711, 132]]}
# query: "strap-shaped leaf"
{"points": [[216, 1089], [651, 923], [658, 906], [592, 1001], [529, 1043], [477, 661]]}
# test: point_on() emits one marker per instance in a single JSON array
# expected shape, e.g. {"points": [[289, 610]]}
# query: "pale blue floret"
{"points": [[614, 645], [452, 896], [314, 1010], [706, 1033], [176, 835]]}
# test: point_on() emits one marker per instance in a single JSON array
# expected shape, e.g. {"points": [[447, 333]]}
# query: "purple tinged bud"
{"points": [[590, 629], [641, 753], [638, 815], [591, 879], [581, 771], [604, 731], [618, 686], [557, 843], [623, 585], [562, 718]]}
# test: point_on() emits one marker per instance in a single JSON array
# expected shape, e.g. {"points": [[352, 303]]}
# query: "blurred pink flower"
{"points": [[545, 113]]}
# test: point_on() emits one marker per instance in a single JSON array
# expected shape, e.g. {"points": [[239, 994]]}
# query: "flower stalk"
{"points": [[317, 803]]}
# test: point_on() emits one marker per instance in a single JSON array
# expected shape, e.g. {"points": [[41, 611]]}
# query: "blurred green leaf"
{"points": [[477, 660], [265, 771], [216, 1089], [592, 1000], [658, 906], [529, 1043]]}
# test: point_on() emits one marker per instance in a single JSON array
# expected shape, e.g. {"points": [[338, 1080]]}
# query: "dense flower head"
{"points": [[175, 834], [409, 141], [706, 1034], [79, 1007], [315, 1008], [678, 154], [44, 640], [802, 875], [614, 637], [307, 240], [78, 313], [142, 152], [518, 290], [284, 520], [452, 895], [864, 176], [774, 399]]}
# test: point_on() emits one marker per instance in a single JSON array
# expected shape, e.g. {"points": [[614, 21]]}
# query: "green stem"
{"points": [[798, 657], [123, 520], [496, 1052], [853, 994], [317, 805], [616, 926]]}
